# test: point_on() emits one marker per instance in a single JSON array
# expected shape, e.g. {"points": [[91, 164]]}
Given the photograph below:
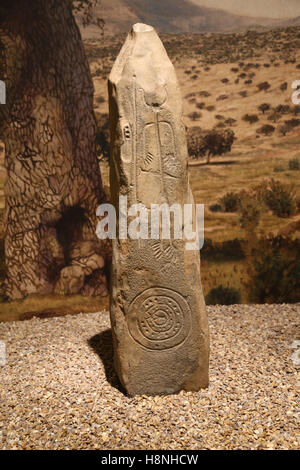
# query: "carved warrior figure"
{"points": [[158, 314]]}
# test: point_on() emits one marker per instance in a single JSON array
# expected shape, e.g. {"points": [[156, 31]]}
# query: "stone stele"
{"points": [[158, 315]]}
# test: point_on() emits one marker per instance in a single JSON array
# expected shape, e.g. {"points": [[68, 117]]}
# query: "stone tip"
{"points": [[141, 28]]}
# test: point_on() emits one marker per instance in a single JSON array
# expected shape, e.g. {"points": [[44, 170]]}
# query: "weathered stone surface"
{"points": [[158, 314]]}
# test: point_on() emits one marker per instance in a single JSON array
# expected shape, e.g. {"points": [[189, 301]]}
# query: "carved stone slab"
{"points": [[158, 315]]}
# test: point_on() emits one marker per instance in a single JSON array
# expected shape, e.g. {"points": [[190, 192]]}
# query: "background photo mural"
{"points": [[140, 343], [242, 126]]}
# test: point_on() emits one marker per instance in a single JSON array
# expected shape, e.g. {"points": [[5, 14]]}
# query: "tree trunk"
{"points": [[48, 127]]}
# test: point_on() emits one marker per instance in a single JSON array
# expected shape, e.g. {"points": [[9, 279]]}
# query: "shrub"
{"points": [[264, 86], [283, 86], [229, 250], [278, 169], [274, 268], [266, 129], [264, 107], [194, 116], [190, 95], [251, 118], [223, 296], [294, 164], [292, 123], [222, 97], [230, 122], [216, 208], [221, 125], [280, 199], [250, 210], [296, 109], [204, 94], [283, 109], [230, 202], [102, 136], [274, 116], [284, 129], [194, 140], [100, 99], [97, 73]]}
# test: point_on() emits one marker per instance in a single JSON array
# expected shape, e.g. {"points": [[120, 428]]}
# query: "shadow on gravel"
{"points": [[102, 344]]}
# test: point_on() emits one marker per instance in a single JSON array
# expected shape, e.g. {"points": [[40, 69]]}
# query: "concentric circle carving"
{"points": [[159, 318]]}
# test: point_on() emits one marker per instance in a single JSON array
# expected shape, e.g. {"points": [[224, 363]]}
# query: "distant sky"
{"points": [[265, 8]]}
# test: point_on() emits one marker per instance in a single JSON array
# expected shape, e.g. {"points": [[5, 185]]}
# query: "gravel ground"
{"points": [[59, 390]]}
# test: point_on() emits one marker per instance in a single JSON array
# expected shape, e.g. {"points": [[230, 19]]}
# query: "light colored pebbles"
{"points": [[59, 389]]}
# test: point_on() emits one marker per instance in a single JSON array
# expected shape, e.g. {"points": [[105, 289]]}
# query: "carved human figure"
{"points": [[158, 315]]}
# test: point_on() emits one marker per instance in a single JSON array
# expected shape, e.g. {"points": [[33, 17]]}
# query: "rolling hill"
{"points": [[173, 16]]}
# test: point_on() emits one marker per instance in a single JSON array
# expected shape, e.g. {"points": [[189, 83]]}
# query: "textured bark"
{"points": [[53, 181], [158, 315]]}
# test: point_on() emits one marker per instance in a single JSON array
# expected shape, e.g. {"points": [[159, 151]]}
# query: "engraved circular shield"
{"points": [[159, 318]]}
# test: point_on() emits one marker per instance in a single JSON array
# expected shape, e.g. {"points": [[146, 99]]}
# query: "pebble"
{"points": [[59, 389]]}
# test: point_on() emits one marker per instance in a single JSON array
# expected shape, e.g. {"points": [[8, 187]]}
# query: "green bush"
{"points": [[280, 199], [102, 136], [264, 107], [194, 142], [229, 250], [194, 116], [266, 129], [278, 169], [274, 268], [264, 86], [230, 202], [294, 164], [216, 208], [251, 118], [250, 210], [223, 296]]}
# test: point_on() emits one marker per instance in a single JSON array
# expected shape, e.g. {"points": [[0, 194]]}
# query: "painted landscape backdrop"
{"points": [[236, 74]]}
